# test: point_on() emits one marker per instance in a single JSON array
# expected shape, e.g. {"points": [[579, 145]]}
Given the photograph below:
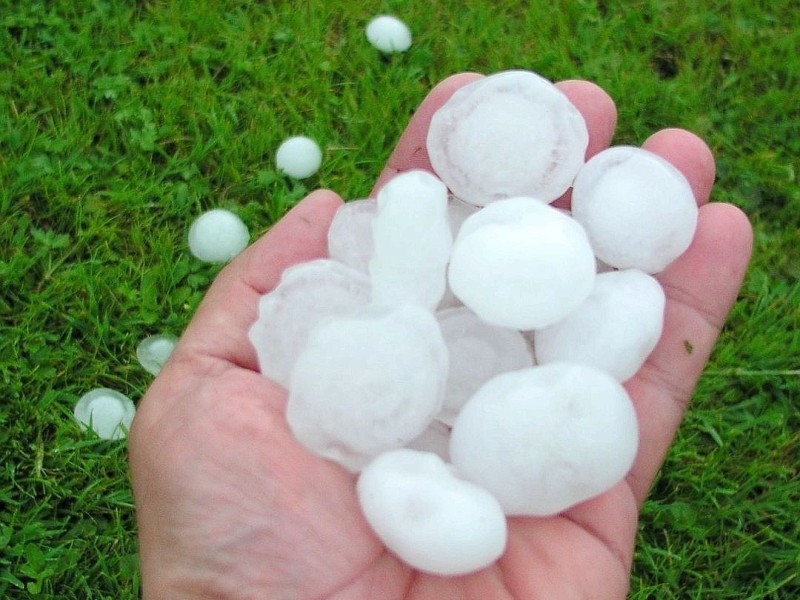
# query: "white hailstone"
{"points": [[521, 264], [107, 412], [432, 520], [546, 438], [299, 157], [154, 350], [412, 241], [435, 439], [350, 234], [615, 329], [367, 383], [637, 208], [217, 236], [509, 134], [388, 34], [478, 352], [307, 295]]}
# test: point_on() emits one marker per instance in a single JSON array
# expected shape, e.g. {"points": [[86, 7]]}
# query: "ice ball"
{"points": [[154, 350], [637, 208], [546, 438], [107, 412], [388, 34], [510, 134], [217, 236], [432, 520], [521, 264], [299, 157], [614, 329], [350, 234], [367, 383]]}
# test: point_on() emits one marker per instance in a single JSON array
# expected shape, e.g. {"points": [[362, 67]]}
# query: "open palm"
{"points": [[229, 505]]}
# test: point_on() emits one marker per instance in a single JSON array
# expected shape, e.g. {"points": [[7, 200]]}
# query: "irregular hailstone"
{"points": [[154, 350], [367, 383], [637, 208], [107, 412], [509, 134], [521, 264], [388, 34], [432, 520], [615, 329], [299, 157], [217, 236], [478, 351], [350, 234], [308, 294], [412, 241], [546, 438]]}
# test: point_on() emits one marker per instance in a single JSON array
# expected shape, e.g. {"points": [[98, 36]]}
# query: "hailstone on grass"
{"points": [[154, 350], [510, 134], [638, 209], [388, 34], [299, 157], [428, 517], [546, 438], [217, 236], [106, 412]]}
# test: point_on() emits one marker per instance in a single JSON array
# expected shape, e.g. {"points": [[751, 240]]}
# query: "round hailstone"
{"points": [[307, 295], [521, 264], [350, 234], [546, 438], [637, 208], [510, 134], [432, 520], [388, 34], [217, 236], [107, 412], [153, 351], [351, 395], [299, 157], [478, 352], [615, 329]]}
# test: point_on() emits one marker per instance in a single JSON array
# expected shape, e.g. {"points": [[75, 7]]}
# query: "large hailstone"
{"points": [[637, 208], [106, 412], [521, 264], [367, 383], [299, 157], [509, 134], [615, 329], [154, 351], [412, 241], [546, 438], [432, 520], [217, 236], [350, 234], [307, 295]]}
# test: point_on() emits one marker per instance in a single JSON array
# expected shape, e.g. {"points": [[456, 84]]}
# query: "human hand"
{"points": [[229, 505]]}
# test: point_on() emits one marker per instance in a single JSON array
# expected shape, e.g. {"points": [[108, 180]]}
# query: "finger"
{"points": [[598, 110], [690, 154], [701, 287], [219, 327]]}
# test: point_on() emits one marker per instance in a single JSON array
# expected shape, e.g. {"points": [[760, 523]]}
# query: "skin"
{"points": [[229, 505]]}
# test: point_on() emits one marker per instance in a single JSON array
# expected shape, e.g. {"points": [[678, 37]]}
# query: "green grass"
{"points": [[121, 121]]}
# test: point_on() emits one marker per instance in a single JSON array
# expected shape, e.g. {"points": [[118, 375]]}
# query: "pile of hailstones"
{"points": [[464, 350]]}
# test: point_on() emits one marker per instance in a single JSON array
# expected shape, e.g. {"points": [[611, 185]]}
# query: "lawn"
{"points": [[121, 121]]}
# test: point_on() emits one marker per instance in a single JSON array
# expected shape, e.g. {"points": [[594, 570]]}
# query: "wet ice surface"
{"points": [[427, 516], [153, 351], [107, 412], [217, 236], [388, 34], [299, 157]]}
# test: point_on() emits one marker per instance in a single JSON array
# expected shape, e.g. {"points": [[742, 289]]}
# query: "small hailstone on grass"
{"points": [[350, 234], [428, 517], [388, 34], [510, 134], [307, 294], [153, 351], [107, 412], [299, 157], [367, 383], [546, 438], [637, 208], [615, 329], [217, 236], [521, 264]]}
